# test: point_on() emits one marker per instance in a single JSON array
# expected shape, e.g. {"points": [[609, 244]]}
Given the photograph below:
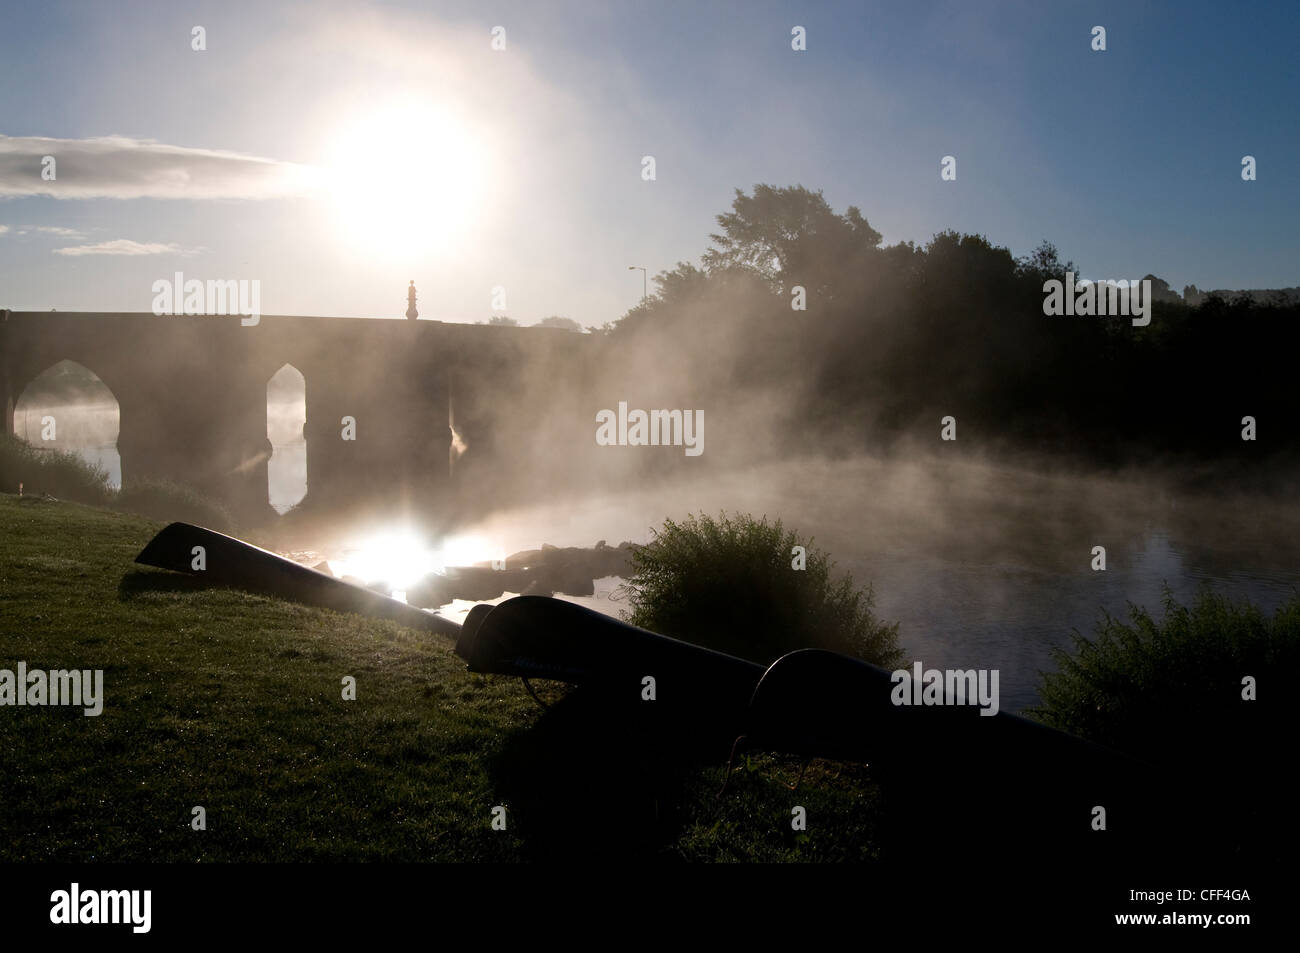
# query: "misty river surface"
{"points": [[968, 615], [981, 566]]}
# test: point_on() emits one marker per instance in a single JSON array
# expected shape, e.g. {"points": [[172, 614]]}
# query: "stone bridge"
{"points": [[192, 396]]}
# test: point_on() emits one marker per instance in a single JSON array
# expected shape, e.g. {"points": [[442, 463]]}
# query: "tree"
{"points": [[790, 236], [500, 320], [683, 284], [677, 292], [1044, 263], [556, 321], [1160, 290]]}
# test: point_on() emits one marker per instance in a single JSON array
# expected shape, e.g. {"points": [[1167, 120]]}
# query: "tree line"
{"points": [[892, 338]]}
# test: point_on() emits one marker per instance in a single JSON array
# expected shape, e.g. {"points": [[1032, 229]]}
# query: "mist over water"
{"points": [[983, 566]]}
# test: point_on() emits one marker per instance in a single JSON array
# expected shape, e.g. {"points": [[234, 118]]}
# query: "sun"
{"points": [[406, 179], [401, 556]]}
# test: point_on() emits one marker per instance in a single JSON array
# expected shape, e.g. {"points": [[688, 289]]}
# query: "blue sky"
{"points": [[1128, 159]]}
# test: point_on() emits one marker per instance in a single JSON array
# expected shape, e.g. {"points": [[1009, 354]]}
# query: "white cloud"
{"points": [[125, 246], [116, 167], [3, 229], [60, 231]]}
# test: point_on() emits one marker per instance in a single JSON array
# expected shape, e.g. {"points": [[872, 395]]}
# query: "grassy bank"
{"points": [[233, 702]]}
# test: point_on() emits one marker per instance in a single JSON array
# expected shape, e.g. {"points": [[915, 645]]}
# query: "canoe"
{"points": [[539, 637], [232, 562]]}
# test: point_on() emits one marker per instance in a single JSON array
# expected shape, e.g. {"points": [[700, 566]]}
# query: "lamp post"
{"points": [[643, 279]]}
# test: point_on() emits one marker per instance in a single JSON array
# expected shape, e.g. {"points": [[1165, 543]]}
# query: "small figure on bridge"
{"points": [[411, 313]]}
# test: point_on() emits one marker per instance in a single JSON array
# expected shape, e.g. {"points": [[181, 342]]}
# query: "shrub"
{"points": [[167, 501], [728, 584], [1170, 691], [67, 476], [56, 472]]}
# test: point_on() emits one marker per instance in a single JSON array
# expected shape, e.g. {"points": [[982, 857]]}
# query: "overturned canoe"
{"points": [[538, 637], [822, 704], [1019, 784], [232, 562]]}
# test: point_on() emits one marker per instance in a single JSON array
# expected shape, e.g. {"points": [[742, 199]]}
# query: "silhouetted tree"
{"points": [[556, 321], [896, 337], [1044, 263], [790, 236]]}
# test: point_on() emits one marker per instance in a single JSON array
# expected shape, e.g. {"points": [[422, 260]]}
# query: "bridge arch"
{"points": [[286, 421], [68, 407]]}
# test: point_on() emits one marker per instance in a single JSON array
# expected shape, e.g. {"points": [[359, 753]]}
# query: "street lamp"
{"points": [[643, 279]]}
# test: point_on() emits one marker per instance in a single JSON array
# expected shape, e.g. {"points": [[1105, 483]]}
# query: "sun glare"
{"points": [[397, 558], [406, 179], [400, 558], [466, 550]]}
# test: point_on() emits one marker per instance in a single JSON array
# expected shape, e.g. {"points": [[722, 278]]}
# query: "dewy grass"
{"points": [[231, 702]]}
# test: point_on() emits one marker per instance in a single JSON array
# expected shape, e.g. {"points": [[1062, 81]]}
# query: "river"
{"points": [[982, 566]]}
